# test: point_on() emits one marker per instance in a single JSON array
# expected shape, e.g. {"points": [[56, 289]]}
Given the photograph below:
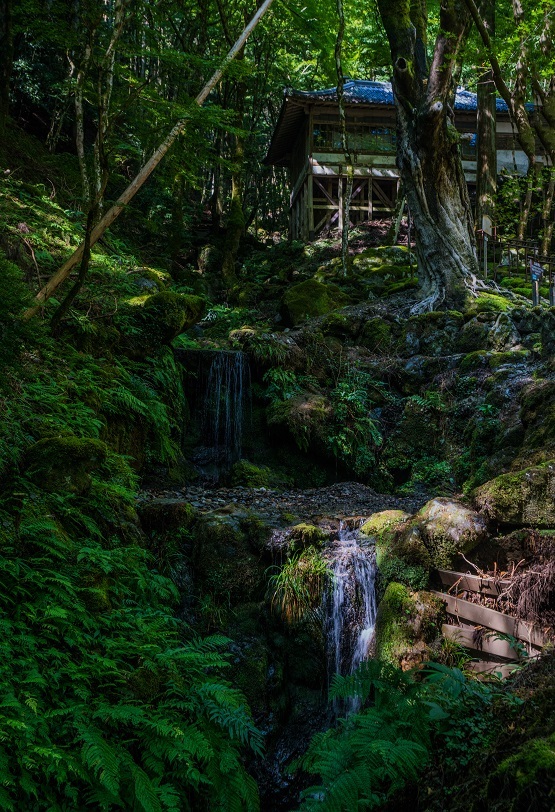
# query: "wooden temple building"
{"points": [[307, 140]]}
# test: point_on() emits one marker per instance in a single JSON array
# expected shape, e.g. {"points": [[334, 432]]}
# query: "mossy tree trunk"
{"points": [[428, 154], [6, 60], [486, 157]]}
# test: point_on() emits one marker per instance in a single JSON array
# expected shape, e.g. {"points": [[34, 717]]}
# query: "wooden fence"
{"points": [[496, 640]]}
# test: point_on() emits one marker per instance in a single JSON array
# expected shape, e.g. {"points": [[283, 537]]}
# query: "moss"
{"points": [[407, 624], [497, 359], [377, 336], [490, 303], [306, 535], [474, 360], [382, 527], [525, 498], [159, 320], [309, 299], [534, 762], [65, 464], [225, 565], [247, 475]]}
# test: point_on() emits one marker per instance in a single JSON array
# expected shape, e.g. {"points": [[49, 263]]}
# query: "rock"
{"points": [[226, 566], [309, 299], [245, 473], [166, 515], [443, 528], [382, 527], [306, 535], [65, 464], [165, 315], [522, 499], [407, 624]]}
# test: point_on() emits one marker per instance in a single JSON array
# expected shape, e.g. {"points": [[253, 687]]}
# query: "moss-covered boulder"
{"points": [[382, 527], [309, 299], [407, 624], [432, 334], [65, 464], [522, 499], [165, 315], [444, 528], [228, 567], [248, 475]]}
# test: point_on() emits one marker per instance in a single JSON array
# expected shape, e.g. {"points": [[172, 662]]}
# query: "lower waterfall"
{"points": [[351, 604]]}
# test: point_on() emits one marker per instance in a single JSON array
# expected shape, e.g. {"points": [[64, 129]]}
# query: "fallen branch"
{"points": [[113, 213]]}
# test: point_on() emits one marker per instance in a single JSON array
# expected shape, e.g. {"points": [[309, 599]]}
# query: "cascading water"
{"points": [[351, 604], [224, 407]]}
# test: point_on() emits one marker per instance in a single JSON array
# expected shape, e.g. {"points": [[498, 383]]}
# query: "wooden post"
{"points": [[370, 193], [340, 198], [311, 234]]}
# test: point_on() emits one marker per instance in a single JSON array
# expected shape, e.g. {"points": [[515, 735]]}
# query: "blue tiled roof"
{"points": [[365, 92]]}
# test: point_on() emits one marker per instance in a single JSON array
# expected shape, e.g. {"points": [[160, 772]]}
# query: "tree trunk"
{"points": [[6, 60], [428, 154], [113, 213], [345, 200], [486, 152], [547, 235]]}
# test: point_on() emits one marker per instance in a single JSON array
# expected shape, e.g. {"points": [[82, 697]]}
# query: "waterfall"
{"points": [[351, 602], [223, 407]]}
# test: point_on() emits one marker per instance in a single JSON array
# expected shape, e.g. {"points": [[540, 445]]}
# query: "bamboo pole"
{"points": [[113, 213]]}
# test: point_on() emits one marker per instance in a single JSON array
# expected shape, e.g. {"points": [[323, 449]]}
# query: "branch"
{"points": [[112, 214]]}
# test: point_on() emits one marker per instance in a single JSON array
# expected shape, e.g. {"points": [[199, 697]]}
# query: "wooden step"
{"points": [[490, 667], [472, 583], [482, 616], [488, 645]]}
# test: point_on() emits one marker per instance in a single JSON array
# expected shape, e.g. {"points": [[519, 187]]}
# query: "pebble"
{"points": [[339, 500]]}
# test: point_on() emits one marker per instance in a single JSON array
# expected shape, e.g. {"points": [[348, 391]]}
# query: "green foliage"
{"points": [[15, 297], [366, 758], [281, 384], [354, 434], [297, 588], [370, 756], [106, 696]]}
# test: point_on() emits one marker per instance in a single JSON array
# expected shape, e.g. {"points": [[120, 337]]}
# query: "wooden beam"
{"points": [[492, 668], [491, 619], [340, 197], [497, 648], [472, 583]]}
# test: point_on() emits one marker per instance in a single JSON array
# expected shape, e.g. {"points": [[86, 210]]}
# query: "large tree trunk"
{"points": [[486, 152], [428, 154]]}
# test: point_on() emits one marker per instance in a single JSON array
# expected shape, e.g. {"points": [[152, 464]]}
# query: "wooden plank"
{"points": [[498, 648], [490, 667], [491, 619], [472, 583]]}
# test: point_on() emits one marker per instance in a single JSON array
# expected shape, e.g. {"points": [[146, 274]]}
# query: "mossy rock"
{"points": [[531, 766], [65, 464], [166, 515], [306, 535], [489, 303], [225, 566], [433, 334], [537, 414], [248, 475], [522, 499], [157, 320], [445, 528], [407, 624], [377, 336], [381, 527], [310, 299]]}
